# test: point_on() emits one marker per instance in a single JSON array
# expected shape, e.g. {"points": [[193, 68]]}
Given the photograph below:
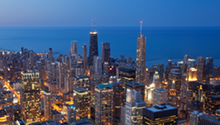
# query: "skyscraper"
{"points": [[140, 58], [70, 110], [97, 64], [82, 102], [85, 61], [82, 81], [134, 108], [93, 48], [172, 99], [50, 54], [200, 64], [47, 105], [186, 57], [73, 48], [106, 51], [62, 74], [30, 96], [159, 97], [191, 63], [160, 115], [210, 65], [118, 98], [136, 86], [103, 104]]}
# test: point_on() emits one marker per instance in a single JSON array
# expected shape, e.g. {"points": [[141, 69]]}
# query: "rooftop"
{"points": [[160, 108], [215, 96], [82, 76], [104, 86], [126, 69], [80, 89], [134, 83], [160, 90]]}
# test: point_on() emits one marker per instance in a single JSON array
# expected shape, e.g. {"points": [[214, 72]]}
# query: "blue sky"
{"points": [[109, 12]]}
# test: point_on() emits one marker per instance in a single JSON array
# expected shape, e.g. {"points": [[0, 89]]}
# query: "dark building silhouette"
{"points": [[106, 51], [93, 47]]}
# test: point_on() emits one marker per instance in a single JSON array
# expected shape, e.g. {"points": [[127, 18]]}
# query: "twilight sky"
{"points": [[109, 12]]}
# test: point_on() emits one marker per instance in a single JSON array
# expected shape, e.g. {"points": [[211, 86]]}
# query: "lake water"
{"points": [[162, 42]]}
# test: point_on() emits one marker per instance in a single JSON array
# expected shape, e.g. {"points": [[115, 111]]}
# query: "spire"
{"points": [[95, 24], [92, 25], [200, 87], [141, 27]]}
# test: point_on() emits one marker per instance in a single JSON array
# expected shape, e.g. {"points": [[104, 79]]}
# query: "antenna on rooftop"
{"points": [[141, 27], [91, 24], [95, 24]]}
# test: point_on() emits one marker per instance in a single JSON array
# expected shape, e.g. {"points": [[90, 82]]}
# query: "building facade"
{"points": [[30, 96], [104, 104]]}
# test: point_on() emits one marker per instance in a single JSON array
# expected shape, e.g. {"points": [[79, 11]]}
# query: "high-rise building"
{"points": [[106, 51], [30, 96], [97, 64], [62, 74], [73, 48], [213, 103], [103, 104], [82, 102], [118, 98], [159, 97], [194, 116], [200, 64], [192, 74], [70, 110], [50, 54], [186, 57], [204, 119], [156, 80], [210, 65], [136, 86], [22, 50], [82, 81], [176, 78], [160, 70], [125, 74], [140, 58], [200, 94], [47, 105], [160, 114], [68, 86], [106, 68], [134, 108], [93, 48], [191, 63], [85, 61], [172, 99], [16, 112]]}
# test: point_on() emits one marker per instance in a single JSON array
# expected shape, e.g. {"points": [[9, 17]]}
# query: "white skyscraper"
{"points": [[98, 61], [134, 108], [160, 97]]}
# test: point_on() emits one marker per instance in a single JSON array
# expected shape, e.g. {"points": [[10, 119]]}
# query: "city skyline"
{"points": [[168, 74]]}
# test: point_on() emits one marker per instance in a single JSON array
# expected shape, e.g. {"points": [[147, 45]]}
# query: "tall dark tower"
{"points": [[93, 47], [22, 50], [106, 51], [85, 61]]}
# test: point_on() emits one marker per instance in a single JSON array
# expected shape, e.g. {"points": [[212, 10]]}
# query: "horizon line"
{"points": [[108, 26]]}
